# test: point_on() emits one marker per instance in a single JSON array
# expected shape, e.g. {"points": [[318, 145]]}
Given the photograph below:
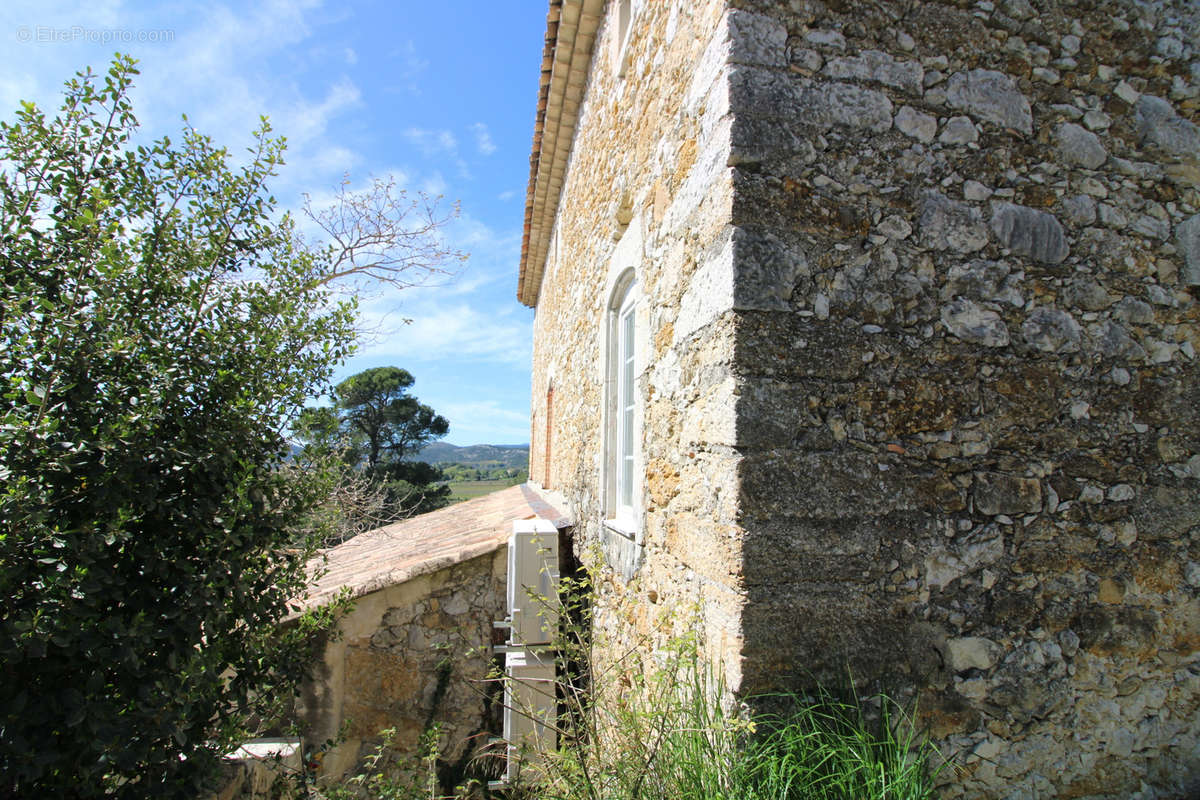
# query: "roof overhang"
{"points": [[571, 27], [423, 544]]}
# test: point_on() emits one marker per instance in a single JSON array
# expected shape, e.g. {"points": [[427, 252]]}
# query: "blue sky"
{"points": [[440, 97]]}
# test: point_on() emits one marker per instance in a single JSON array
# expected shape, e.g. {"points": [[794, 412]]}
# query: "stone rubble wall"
{"points": [[918, 383], [967, 252], [409, 654], [648, 179]]}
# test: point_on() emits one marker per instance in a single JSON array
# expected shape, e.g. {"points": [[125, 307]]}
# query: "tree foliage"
{"points": [[160, 328], [375, 424], [382, 416]]}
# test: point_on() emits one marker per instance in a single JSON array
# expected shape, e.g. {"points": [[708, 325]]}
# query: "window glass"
{"points": [[625, 414], [621, 441]]}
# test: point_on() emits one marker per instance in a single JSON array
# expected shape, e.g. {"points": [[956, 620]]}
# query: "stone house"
{"points": [[871, 329], [416, 648]]}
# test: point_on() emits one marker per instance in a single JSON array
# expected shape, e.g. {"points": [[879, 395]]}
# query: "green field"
{"points": [[466, 490]]}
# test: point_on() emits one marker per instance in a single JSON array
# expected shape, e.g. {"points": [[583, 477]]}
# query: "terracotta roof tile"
{"points": [[426, 543]]}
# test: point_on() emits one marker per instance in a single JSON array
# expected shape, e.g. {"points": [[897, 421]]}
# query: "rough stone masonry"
{"points": [[991, 353], [919, 389]]}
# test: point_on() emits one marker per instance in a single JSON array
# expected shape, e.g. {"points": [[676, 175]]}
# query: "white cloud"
{"points": [[434, 185], [225, 65], [441, 331], [304, 121], [221, 64], [335, 158], [432, 142], [506, 196], [483, 139], [485, 422], [411, 66], [489, 408], [14, 89], [438, 144]]}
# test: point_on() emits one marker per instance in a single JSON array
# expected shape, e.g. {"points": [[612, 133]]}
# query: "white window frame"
{"points": [[622, 439], [624, 12]]}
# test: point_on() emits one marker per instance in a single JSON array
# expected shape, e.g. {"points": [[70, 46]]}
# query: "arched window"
{"points": [[621, 436]]}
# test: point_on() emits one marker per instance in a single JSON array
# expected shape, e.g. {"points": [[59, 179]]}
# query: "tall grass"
{"points": [[665, 728], [689, 748], [655, 724], [823, 748]]}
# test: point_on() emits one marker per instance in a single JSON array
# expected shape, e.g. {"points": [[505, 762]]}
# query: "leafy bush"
{"points": [[160, 328]]}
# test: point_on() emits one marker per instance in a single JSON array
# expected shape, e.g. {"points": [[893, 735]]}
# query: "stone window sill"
{"points": [[622, 527]]}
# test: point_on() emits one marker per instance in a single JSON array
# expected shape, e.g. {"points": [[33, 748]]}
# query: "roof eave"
{"points": [[571, 27]]}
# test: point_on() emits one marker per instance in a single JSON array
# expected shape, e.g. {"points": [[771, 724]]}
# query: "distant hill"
{"points": [[513, 456]]}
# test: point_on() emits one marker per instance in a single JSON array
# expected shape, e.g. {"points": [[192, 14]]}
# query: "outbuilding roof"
{"points": [[426, 543]]}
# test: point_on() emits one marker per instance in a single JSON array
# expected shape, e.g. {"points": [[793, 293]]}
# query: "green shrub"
{"points": [[672, 737], [657, 723]]}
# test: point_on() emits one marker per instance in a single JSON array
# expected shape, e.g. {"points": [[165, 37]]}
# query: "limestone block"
{"points": [[1079, 146], [1187, 239], [762, 92], [756, 39], [757, 139], [1052, 330], [973, 324], [707, 70], [991, 96], [1079, 209], [984, 281], [710, 291], [959, 130], [999, 493], [707, 180], [766, 271], [1151, 227], [974, 190], [970, 652], [951, 225], [836, 103], [805, 59], [895, 227], [872, 65], [826, 39], [919, 126], [709, 419], [1158, 124], [1029, 232], [1111, 340], [1084, 292], [822, 485], [1134, 311], [943, 567]]}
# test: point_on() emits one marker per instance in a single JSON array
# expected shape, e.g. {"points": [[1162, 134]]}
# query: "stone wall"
{"points": [[648, 187], [410, 654], [968, 398], [919, 391]]}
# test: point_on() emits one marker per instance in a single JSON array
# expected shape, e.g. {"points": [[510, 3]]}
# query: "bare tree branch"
{"points": [[384, 235]]}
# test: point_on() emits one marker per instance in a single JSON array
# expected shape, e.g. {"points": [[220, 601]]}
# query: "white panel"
{"points": [[533, 582], [530, 708]]}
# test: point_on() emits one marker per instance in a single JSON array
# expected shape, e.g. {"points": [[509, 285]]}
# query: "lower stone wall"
{"points": [[971, 442], [408, 656]]}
